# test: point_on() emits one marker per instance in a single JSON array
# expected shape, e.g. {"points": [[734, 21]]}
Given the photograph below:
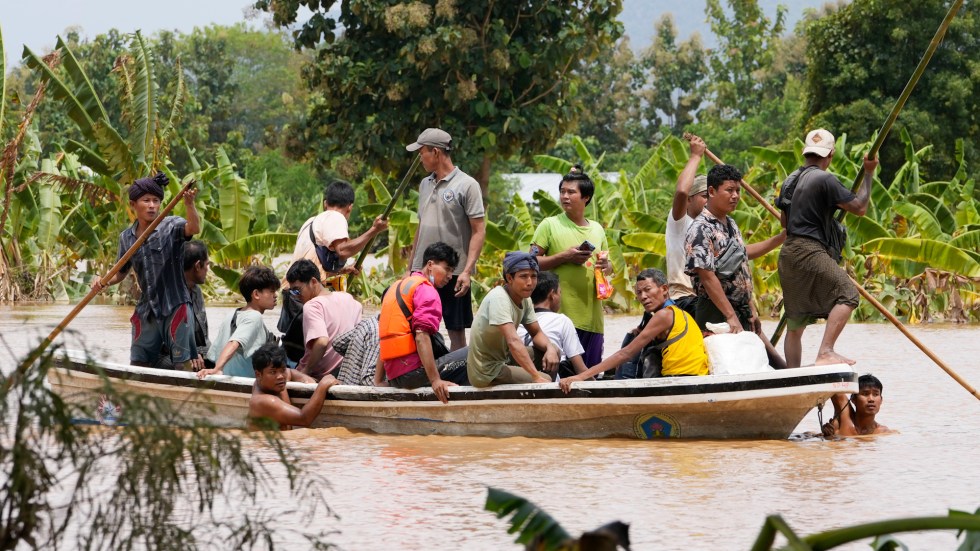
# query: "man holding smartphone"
{"points": [[565, 244]]}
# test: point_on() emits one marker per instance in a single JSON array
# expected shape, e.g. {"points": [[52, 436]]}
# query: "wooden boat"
{"points": [[766, 405]]}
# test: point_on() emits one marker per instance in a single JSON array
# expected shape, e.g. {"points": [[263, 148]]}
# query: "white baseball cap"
{"points": [[820, 142]]}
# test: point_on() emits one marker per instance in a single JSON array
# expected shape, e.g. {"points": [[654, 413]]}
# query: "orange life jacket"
{"points": [[394, 328]]}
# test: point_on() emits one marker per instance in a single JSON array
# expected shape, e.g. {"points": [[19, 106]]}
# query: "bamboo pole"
{"points": [[391, 205], [36, 353]]}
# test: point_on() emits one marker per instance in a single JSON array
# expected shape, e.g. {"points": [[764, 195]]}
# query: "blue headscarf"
{"points": [[153, 185], [516, 261]]}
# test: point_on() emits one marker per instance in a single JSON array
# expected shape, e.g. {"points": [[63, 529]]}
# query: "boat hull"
{"points": [[755, 406]]}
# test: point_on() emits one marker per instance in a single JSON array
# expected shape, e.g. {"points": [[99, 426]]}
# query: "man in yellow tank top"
{"points": [[671, 332]]}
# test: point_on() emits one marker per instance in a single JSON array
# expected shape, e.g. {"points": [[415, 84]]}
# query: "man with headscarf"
{"points": [[497, 355], [163, 317]]}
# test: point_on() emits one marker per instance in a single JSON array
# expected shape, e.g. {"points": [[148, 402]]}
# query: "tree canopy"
{"points": [[498, 76]]}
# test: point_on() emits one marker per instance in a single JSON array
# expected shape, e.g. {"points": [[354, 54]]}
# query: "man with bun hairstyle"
{"points": [[814, 285], [163, 319], [450, 211]]}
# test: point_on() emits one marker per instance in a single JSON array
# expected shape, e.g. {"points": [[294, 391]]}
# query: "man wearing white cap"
{"points": [[451, 211], [814, 285]]}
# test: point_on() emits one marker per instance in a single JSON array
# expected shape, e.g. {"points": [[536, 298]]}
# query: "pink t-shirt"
{"points": [[328, 316], [426, 317]]}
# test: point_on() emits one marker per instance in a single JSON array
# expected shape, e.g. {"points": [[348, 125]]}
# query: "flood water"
{"points": [[421, 492]]}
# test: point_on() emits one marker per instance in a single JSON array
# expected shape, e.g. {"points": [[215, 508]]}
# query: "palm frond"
{"points": [[162, 149], [144, 101], [91, 191], [84, 90]]}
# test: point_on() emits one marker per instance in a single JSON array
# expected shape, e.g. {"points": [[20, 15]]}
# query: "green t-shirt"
{"points": [[488, 352], [578, 300]]}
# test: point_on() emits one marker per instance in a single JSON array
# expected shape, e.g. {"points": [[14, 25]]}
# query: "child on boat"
{"points": [[670, 344], [163, 318], [558, 327], [856, 417], [269, 397], [243, 332]]}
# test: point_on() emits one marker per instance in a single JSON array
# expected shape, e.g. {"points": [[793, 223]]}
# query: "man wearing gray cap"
{"points": [[814, 285], [690, 196], [451, 211]]}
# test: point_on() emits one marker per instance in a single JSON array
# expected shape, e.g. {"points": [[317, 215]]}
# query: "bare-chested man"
{"points": [[856, 417], [269, 397]]}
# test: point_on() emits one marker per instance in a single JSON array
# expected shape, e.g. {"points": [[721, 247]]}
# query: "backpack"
{"points": [[330, 261]]}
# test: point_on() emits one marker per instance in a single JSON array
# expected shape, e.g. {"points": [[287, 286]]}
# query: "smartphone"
{"points": [[586, 246]]}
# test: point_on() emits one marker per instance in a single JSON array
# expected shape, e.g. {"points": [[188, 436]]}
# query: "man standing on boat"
{"points": [[410, 314], [565, 244], [450, 211], [326, 315], [814, 285], [717, 260], [163, 318], [690, 196], [269, 397], [496, 354]]}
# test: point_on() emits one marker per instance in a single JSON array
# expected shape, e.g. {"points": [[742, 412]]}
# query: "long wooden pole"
{"points": [[874, 302], [391, 205], [36, 353]]}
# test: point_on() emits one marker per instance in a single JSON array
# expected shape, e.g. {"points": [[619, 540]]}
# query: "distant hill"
{"points": [[639, 17]]}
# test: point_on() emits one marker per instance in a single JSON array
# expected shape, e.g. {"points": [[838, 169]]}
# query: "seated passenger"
{"points": [[243, 332], [671, 343], [326, 315], [558, 327], [360, 350], [269, 397], [495, 347], [856, 417], [411, 312]]}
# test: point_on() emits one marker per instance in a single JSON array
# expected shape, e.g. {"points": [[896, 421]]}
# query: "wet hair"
{"points": [[585, 186], [257, 278], [547, 282], [869, 380], [194, 251], [441, 252], [720, 174], [338, 194], [269, 354], [654, 275], [302, 270]]}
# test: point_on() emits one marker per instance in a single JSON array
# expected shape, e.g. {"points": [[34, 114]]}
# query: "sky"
{"points": [[37, 23]]}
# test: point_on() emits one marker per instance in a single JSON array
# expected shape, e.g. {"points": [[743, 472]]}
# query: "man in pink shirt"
{"points": [[411, 311], [326, 315]]}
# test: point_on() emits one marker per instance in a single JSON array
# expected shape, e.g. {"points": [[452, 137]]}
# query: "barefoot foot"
{"points": [[831, 357]]}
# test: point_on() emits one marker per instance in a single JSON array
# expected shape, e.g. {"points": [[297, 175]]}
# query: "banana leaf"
{"points": [[546, 204], [935, 254], [650, 242], [925, 221], [528, 520], [553, 164], [143, 127], [3, 83], [83, 90], [936, 206], [499, 238], [234, 198], [862, 229], [646, 223], [242, 250]]}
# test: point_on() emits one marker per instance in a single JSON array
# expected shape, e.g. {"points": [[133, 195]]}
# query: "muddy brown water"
{"points": [[421, 492]]}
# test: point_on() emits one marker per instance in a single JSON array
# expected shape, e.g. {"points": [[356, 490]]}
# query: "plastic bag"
{"points": [[731, 354], [603, 289]]}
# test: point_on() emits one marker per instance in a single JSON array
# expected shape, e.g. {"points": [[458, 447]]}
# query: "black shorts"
{"points": [[457, 312]]}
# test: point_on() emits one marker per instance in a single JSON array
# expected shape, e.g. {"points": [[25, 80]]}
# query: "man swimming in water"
{"points": [[856, 417], [269, 398]]}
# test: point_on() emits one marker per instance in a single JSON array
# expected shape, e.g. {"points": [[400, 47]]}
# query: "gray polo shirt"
{"points": [[445, 209]]}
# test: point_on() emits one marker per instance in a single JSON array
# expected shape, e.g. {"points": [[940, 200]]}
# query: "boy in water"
{"points": [[856, 417], [269, 397]]}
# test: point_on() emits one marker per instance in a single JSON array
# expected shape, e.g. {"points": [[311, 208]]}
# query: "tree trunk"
{"points": [[483, 177]]}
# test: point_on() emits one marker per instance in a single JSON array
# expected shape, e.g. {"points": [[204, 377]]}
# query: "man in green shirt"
{"points": [[497, 355], [565, 244]]}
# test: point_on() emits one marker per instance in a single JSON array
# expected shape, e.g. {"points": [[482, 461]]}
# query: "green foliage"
{"points": [[151, 483], [499, 76], [851, 85]]}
